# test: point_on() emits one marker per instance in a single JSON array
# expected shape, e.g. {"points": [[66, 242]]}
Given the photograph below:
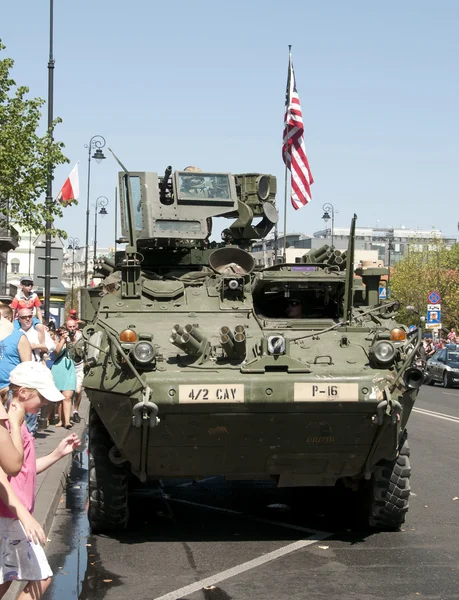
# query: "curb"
{"points": [[53, 485]]}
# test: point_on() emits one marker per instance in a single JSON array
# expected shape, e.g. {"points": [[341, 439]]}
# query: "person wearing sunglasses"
{"points": [[26, 298]]}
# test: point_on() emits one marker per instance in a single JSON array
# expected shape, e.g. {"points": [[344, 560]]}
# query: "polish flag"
{"points": [[71, 189]]}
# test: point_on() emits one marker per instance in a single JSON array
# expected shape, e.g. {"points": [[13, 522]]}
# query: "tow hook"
{"points": [[145, 410], [391, 408]]}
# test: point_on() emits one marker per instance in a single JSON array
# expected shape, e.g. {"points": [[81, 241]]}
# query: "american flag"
{"points": [[293, 150]]}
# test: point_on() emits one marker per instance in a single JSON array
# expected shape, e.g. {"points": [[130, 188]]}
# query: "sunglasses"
{"points": [[27, 283], [26, 317]]}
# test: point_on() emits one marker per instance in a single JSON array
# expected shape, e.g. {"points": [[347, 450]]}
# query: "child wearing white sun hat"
{"points": [[22, 557]]}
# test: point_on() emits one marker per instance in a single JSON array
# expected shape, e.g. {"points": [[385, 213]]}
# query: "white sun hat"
{"points": [[34, 375]]}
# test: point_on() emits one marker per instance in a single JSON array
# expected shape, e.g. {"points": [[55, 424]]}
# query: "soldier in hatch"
{"points": [[294, 309]]}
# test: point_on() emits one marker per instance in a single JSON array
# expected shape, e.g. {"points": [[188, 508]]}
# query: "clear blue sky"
{"points": [[203, 83]]}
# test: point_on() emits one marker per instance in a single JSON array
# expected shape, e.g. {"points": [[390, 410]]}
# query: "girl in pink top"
{"points": [[22, 557]]}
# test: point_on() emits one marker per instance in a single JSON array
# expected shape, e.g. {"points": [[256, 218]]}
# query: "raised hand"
{"points": [[16, 413], [68, 444]]}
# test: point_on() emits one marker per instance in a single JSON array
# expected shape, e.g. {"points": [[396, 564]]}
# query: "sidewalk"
{"points": [[52, 482]]}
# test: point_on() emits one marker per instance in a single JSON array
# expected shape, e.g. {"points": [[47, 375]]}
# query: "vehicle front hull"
{"points": [[294, 443]]}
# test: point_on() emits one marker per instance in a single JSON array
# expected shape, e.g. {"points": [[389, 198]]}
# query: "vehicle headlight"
{"points": [[382, 353], [143, 353]]}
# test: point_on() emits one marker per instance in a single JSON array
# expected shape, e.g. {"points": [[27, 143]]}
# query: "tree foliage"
{"points": [[425, 268], [25, 156]]}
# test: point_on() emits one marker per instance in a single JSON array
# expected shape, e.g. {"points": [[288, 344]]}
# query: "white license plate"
{"points": [[333, 392], [211, 393]]}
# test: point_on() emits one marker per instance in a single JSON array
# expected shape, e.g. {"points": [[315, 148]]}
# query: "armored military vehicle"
{"points": [[200, 364]]}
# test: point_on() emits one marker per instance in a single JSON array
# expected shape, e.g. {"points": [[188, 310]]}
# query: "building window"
{"points": [[15, 265]]}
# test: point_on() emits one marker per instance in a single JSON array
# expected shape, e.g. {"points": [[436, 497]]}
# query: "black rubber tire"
{"points": [[108, 483], [446, 382], [429, 380], [390, 490]]}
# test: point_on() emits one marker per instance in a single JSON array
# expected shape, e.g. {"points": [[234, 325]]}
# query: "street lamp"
{"points": [[101, 203], [390, 247], [74, 244], [329, 208], [97, 142]]}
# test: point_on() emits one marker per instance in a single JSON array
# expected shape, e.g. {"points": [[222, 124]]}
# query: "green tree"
{"points": [[25, 156], [427, 267]]}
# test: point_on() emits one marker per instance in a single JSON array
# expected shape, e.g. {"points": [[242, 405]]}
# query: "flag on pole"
{"points": [[293, 149], [71, 189]]}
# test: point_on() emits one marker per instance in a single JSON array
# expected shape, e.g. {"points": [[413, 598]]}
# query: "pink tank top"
{"points": [[25, 481]]}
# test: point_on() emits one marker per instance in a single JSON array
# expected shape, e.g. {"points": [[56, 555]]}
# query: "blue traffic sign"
{"points": [[382, 292], [434, 317], [434, 298]]}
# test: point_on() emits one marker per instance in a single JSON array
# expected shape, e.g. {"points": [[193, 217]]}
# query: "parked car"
{"points": [[443, 366]]}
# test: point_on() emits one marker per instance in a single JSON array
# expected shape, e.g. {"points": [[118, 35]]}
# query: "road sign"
{"points": [[433, 307], [382, 292], [436, 326], [412, 328], [434, 298], [433, 318]]}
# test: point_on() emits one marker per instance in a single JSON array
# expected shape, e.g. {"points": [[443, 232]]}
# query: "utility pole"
{"points": [[49, 184]]}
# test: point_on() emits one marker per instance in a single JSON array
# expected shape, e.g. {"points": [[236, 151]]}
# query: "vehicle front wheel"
{"points": [[108, 482], [446, 380], [389, 490]]}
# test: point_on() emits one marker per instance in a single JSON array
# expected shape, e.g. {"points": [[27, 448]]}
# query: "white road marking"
{"points": [[431, 413], [253, 518], [450, 394], [242, 568]]}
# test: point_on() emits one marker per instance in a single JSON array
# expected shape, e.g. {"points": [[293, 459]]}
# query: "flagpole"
{"points": [[287, 101], [116, 215], [49, 183], [285, 213]]}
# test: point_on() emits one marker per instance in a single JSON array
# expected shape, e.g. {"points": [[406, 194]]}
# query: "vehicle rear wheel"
{"points": [[446, 381], [389, 490], [108, 482]]}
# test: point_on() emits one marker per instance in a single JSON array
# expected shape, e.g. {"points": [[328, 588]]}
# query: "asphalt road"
{"points": [[216, 541]]}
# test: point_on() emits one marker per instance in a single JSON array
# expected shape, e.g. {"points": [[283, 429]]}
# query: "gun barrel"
{"points": [[194, 332], [227, 345], [323, 257], [165, 180], [175, 339], [240, 345], [177, 329], [319, 251], [225, 330], [190, 344]]}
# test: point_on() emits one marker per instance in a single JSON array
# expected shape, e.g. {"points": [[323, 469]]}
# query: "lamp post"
{"points": [[74, 244], [101, 203], [390, 247], [329, 209], [49, 178], [97, 142]]}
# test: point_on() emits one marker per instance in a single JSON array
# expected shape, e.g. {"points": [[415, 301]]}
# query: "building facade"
{"points": [[388, 245]]}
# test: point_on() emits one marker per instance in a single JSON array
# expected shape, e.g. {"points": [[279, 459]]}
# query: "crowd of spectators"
{"points": [[24, 337], [433, 345], [37, 371]]}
